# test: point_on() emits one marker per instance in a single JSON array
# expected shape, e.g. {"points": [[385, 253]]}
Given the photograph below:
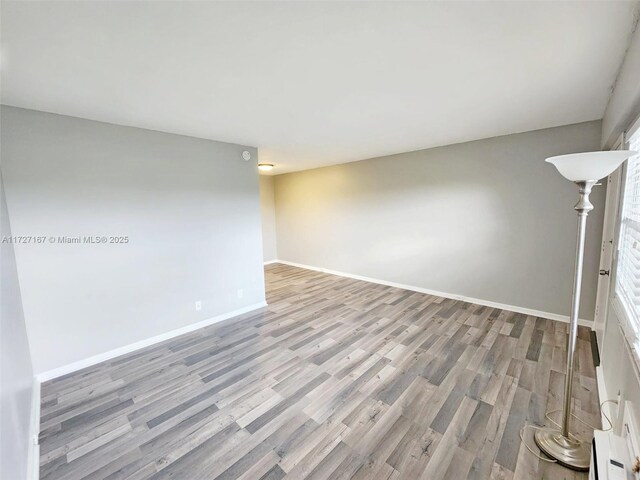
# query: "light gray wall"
{"points": [[16, 381], [487, 219], [268, 210], [189, 206]]}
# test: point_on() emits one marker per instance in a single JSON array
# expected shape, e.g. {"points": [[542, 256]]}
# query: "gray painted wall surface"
{"points": [[487, 219], [268, 209], [189, 206], [16, 382]]}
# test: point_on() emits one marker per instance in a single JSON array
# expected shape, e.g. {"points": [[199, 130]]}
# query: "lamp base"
{"points": [[567, 451]]}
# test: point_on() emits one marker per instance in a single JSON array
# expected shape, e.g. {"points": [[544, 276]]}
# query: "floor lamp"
{"points": [[584, 169]]}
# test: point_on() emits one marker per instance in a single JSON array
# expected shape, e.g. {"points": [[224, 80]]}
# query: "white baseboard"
{"points": [[33, 465], [272, 261], [453, 296], [87, 362]]}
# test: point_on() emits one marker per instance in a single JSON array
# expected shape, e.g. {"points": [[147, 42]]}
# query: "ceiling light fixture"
{"points": [[265, 167]]}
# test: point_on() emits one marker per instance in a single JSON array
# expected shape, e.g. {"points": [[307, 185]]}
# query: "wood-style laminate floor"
{"points": [[336, 379]]}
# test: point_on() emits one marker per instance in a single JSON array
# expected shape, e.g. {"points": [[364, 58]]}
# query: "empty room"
{"points": [[368, 240]]}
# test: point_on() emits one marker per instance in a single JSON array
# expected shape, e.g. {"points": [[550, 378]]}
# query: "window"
{"points": [[628, 268]]}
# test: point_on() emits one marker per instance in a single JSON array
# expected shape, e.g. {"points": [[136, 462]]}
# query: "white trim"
{"points": [[626, 328], [630, 349], [272, 261], [477, 301], [87, 362], [608, 252], [33, 465]]}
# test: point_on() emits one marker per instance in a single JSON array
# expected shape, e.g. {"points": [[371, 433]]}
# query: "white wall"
{"points": [[617, 366], [16, 374], [620, 374], [487, 219], [624, 103], [268, 211], [190, 208]]}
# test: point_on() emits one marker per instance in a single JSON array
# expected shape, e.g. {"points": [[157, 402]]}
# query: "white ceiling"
{"points": [[313, 84]]}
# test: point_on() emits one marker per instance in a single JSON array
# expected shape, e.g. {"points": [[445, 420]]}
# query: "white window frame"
{"points": [[630, 331]]}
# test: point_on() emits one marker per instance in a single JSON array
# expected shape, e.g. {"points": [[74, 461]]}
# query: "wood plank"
{"points": [[336, 379]]}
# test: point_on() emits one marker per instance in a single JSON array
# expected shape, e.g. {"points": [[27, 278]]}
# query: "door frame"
{"points": [[608, 249]]}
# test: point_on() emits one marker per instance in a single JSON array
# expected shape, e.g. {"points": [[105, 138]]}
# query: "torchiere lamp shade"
{"points": [[589, 165]]}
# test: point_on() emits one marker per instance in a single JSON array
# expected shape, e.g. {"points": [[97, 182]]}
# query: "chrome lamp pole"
{"points": [[584, 169]]}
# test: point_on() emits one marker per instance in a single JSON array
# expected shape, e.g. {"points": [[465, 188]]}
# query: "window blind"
{"points": [[628, 265]]}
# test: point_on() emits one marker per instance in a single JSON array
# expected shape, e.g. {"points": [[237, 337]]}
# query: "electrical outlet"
{"points": [[240, 293], [198, 306]]}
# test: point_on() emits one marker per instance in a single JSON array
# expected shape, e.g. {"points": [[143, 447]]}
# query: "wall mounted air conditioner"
{"points": [[613, 456]]}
